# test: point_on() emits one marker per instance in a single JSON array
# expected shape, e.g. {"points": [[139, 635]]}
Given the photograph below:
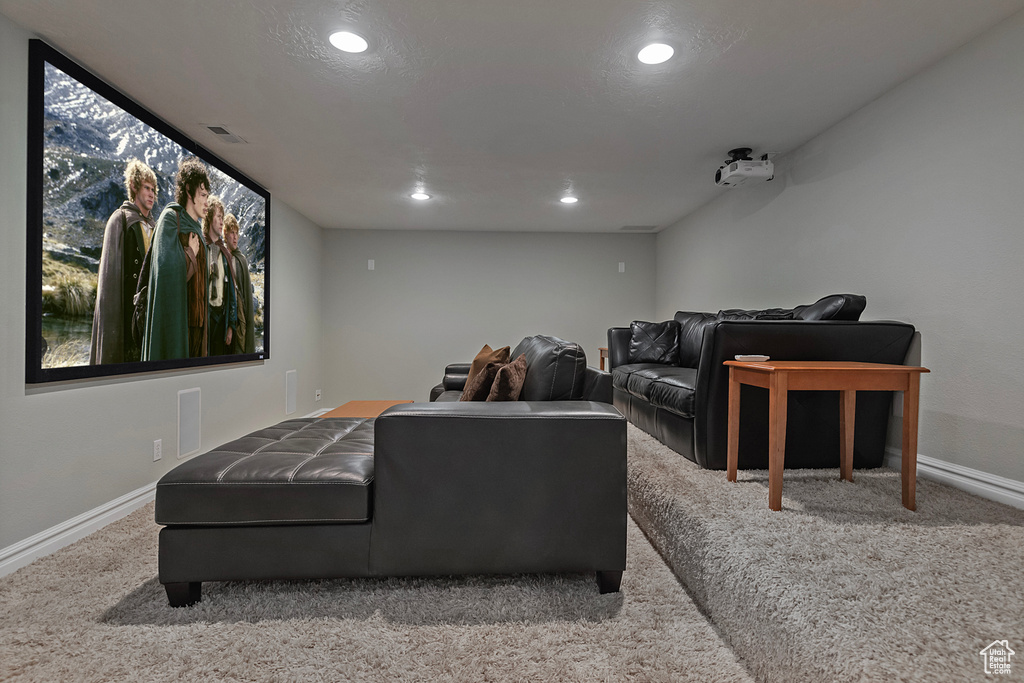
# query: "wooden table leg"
{"points": [[908, 473], [847, 412], [778, 397], [733, 441]]}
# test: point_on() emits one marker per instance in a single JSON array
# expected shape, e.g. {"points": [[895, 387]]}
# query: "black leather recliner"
{"points": [[436, 488], [685, 405]]}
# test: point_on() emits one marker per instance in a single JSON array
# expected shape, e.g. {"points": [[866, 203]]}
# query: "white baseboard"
{"points": [[979, 483], [20, 554], [51, 540], [14, 557]]}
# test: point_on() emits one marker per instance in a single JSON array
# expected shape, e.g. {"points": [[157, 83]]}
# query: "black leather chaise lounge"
{"points": [[440, 488]]}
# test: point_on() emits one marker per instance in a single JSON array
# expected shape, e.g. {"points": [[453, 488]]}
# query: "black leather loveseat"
{"points": [[669, 380], [440, 488]]}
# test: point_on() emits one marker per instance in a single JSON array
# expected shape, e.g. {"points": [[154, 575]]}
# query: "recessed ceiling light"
{"points": [[349, 42], [655, 53], [569, 200], [420, 196]]}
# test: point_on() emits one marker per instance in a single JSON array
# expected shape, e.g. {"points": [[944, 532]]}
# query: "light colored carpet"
{"points": [[843, 584], [94, 611]]}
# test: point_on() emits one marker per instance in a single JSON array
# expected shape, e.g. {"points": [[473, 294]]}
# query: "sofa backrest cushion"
{"points": [[691, 334], [756, 314], [654, 342], [554, 369], [833, 307]]}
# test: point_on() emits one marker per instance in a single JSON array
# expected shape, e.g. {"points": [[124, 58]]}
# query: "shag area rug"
{"points": [[94, 611], [843, 584]]}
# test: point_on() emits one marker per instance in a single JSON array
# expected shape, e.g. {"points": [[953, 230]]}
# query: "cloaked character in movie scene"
{"points": [[221, 308], [176, 309], [244, 340], [125, 243]]}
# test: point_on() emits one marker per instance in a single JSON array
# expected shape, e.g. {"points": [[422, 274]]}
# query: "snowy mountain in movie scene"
{"points": [[88, 141]]}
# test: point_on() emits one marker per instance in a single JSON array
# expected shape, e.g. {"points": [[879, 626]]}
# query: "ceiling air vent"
{"points": [[225, 135], [638, 228]]}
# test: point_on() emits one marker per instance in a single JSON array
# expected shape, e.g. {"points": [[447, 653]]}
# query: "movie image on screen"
{"points": [[145, 251]]}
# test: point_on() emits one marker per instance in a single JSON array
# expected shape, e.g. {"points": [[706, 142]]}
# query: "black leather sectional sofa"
{"points": [[557, 370], [670, 381], [447, 487]]}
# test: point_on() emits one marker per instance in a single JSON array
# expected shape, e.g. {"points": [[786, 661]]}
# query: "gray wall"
{"points": [[915, 202], [435, 298], [65, 450], [897, 202]]}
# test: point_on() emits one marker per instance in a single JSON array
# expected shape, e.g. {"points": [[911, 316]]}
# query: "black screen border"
{"points": [[40, 53]]}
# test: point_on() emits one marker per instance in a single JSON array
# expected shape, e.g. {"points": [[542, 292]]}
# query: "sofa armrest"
{"points": [[866, 341], [618, 346], [455, 375], [499, 488], [597, 385]]}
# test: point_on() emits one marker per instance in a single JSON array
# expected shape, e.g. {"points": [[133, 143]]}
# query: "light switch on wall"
{"points": [[622, 266], [369, 264]]}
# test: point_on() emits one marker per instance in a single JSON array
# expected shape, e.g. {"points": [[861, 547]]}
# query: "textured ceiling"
{"points": [[498, 107]]}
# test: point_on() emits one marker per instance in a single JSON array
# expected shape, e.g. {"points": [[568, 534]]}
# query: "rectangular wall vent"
{"points": [[225, 135], [190, 427], [291, 386], [638, 228]]}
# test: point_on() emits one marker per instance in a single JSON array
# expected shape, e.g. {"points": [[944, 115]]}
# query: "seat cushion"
{"points": [[622, 373], [304, 471], [448, 396], [674, 391], [663, 386]]}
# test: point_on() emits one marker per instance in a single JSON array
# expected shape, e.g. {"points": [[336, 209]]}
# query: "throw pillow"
{"points": [[654, 342], [479, 387], [508, 382], [486, 355]]}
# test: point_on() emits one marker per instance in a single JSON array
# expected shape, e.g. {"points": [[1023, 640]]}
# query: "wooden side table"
{"points": [[367, 409], [847, 377], [602, 351]]}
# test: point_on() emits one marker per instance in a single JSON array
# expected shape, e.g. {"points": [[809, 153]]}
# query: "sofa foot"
{"points": [[184, 594], [609, 582]]}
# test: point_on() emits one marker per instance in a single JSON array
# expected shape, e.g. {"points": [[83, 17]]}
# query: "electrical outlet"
{"points": [[157, 449], [317, 394]]}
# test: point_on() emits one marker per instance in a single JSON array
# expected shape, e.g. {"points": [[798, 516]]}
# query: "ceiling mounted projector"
{"points": [[739, 168]]}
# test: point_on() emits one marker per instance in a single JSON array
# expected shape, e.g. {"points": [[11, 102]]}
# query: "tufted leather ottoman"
{"points": [[290, 501], [303, 471]]}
